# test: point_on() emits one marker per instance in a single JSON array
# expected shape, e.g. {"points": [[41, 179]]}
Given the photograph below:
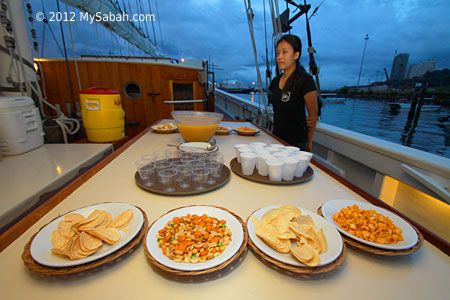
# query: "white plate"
{"points": [[334, 240], [409, 234], [154, 128], [42, 243], [197, 147], [248, 133], [235, 226]]}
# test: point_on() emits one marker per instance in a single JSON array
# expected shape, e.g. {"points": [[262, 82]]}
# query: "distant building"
{"points": [[421, 68], [399, 67]]}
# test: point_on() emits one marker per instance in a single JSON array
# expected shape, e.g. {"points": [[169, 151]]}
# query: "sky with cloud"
{"points": [[217, 30]]}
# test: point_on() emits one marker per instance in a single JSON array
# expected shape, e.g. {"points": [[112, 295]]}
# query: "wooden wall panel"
{"points": [[152, 78]]}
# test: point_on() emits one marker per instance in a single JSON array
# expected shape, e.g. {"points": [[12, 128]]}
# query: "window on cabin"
{"points": [[183, 91], [132, 90]]}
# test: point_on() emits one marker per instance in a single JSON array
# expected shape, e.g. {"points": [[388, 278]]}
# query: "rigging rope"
{"points": [[159, 25], [249, 13], [153, 25], [73, 52]]}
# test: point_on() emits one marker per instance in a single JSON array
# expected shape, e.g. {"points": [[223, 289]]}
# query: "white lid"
{"points": [[275, 162], [15, 101]]}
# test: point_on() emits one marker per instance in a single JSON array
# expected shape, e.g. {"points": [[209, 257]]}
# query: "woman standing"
{"points": [[290, 92]]}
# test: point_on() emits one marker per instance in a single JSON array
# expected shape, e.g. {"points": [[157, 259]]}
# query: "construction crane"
{"points": [[387, 79]]}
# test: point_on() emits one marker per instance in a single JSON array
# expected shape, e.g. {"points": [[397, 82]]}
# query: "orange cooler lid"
{"points": [[99, 90]]}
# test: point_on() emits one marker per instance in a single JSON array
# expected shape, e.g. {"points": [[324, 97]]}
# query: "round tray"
{"points": [[236, 168], [297, 269], [378, 251], [200, 272], [34, 266], [158, 188]]}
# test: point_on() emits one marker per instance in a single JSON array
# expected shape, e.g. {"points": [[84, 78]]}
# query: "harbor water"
{"points": [[374, 118]]}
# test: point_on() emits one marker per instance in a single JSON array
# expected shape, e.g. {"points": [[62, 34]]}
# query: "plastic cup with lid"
{"points": [[239, 146], [275, 168], [302, 164], [307, 154], [243, 150], [278, 146], [281, 154], [290, 168], [261, 165], [272, 149], [248, 162], [257, 145]]}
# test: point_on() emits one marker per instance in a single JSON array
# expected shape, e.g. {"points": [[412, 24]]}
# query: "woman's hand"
{"points": [[311, 119]]}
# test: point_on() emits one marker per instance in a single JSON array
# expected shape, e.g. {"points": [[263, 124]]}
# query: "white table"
{"points": [[421, 275]]}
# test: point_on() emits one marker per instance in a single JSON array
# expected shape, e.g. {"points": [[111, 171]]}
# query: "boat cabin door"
{"points": [[185, 95]]}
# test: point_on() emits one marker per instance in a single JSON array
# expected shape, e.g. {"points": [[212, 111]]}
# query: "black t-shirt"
{"points": [[289, 108]]}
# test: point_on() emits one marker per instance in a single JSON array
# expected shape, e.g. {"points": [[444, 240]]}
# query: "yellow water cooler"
{"points": [[102, 114]]}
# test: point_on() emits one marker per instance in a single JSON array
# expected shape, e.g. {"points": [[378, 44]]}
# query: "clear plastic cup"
{"points": [[201, 155], [214, 169], [248, 162], [187, 159], [149, 157], [261, 163], [146, 170], [200, 177], [275, 167], [175, 164], [290, 167], [161, 165], [167, 177], [172, 155], [197, 164], [186, 154], [217, 157], [184, 176], [160, 155]]}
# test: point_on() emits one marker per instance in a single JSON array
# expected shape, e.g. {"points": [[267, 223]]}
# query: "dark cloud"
{"points": [[218, 31]]}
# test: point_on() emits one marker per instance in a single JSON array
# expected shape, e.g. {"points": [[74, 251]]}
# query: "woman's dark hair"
{"points": [[296, 44]]}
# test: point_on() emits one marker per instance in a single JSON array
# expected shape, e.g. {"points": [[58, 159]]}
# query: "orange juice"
{"points": [[197, 133]]}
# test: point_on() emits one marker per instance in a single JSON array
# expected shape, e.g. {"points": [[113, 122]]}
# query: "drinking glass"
{"points": [[184, 176], [200, 177], [167, 177], [146, 170]]}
